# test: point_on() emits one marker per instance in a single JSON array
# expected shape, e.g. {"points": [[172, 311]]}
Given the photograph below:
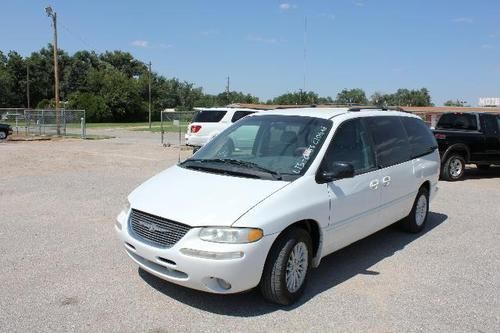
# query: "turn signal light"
{"points": [[195, 128]]}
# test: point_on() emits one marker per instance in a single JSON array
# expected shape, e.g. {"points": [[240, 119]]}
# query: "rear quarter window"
{"points": [[458, 121], [240, 114], [208, 116], [390, 139], [489, 124], [420, 137]]}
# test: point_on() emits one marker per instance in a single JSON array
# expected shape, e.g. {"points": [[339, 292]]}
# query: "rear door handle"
{"points": [[386, 181], [374, 184]]}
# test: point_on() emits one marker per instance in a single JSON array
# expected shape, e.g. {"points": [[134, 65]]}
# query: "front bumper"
{"points": [[194, 272]]}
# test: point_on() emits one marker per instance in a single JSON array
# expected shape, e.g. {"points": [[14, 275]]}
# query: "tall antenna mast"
{"points": [[227, 89], [305, 52]]}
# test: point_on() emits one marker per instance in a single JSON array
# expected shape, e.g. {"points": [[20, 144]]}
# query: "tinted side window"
{"points": [[351, 143], [390, 139], [489, 124], [208, 116], [240, 114], [498, 122], [420, 137], [458, 121]]}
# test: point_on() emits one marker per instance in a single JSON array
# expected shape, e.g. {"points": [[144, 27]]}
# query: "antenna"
{"points": [[227, 89]]}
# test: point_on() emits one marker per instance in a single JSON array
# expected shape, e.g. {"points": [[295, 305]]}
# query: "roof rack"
{"points": [[371, 107]]}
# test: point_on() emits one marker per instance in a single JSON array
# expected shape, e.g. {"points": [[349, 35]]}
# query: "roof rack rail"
{"points": [[371, 107]]}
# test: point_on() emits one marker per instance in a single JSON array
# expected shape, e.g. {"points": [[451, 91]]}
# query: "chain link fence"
{"points": [[44, 122], [173, 126]]}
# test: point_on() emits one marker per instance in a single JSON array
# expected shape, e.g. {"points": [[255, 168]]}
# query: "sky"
{"points": [[451, 47]]}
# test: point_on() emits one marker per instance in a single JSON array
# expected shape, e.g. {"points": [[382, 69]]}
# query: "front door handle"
{"points": [[374, 184], [386, 181]]}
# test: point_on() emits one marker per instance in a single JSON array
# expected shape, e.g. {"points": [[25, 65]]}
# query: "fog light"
{"points": [[223, 284], [211, 254]]}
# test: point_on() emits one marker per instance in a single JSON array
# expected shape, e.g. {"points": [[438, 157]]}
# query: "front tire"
{"points": [[3, 135], [416, 220], [453, 167], [287, 266]]}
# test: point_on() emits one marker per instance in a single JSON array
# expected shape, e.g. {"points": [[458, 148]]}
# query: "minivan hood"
{"points": [[199, 198]]}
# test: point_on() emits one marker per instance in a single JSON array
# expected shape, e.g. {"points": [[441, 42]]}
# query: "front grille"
{"points": [[155, 230]]}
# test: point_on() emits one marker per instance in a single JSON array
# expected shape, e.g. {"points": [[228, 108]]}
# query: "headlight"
{"points": [[231, 235]]}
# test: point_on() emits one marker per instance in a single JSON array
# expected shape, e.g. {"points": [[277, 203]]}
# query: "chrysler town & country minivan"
{"points": [[266, 199]]}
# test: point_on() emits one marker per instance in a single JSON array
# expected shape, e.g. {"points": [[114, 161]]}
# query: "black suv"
{"points": [[5, 131], [467, 138]]}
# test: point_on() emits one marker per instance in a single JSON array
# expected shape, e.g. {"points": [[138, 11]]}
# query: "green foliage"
{"points": [[114, 86], [300, 98], [351, 96], [403, 97], [95, 106]]}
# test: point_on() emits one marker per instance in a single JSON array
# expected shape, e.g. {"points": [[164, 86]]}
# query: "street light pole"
{"points": [[53, 15], [149, 95]]}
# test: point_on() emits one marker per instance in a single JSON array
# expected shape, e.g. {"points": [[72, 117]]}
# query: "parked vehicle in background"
{"points": [[12, 116], [275, 193], [208, 123], [5, 131], [465, 138]]}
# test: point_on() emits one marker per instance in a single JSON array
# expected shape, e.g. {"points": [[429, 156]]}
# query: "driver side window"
{"points": [[351, 144]]}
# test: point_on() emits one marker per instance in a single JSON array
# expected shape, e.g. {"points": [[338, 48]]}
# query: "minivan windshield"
{"points": [[276, 147]]}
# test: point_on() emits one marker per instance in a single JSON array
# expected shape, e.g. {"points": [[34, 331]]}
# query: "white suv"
{"points": [[208, 122], [275, 193]]}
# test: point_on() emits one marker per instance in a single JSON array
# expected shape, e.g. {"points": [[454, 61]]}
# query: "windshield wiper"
{"points": [[245, 164]]}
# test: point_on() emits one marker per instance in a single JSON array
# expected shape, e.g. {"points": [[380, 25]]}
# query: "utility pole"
{"points": [[227, 90], [150, 95], [53, 15], [28, 84]]}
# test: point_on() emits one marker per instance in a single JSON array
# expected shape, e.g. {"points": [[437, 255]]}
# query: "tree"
{"points": [[402, 97], [94, 105], [352, 96], [300, 98]]}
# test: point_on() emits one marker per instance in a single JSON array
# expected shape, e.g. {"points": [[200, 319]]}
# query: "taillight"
{"points": [[195, 128], [440, 136]]}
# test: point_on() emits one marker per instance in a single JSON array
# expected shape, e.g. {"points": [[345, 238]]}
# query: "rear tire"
{"points": [[415, 221], [286, 270], [453, 168]]}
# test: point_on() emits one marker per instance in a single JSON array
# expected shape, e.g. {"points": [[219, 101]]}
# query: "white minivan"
{"points": [[207, 123], [276, 192]]}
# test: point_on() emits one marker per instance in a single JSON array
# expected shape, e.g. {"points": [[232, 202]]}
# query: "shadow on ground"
{"points": [[333, 270], [475, 173]]}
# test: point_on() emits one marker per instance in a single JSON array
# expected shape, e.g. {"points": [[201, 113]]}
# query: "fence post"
{"points": [[161, 125], [82, 127]]}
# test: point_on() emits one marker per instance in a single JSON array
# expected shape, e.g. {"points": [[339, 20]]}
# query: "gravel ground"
{"points": [[63, 268]]}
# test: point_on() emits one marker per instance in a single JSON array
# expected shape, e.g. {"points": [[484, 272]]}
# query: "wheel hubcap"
{"points": [[296, 267], [2, 135], [421, 210], [456, 167]]}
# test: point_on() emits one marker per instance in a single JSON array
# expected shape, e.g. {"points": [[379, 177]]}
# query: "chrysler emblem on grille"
{"points": [[151, 227]]}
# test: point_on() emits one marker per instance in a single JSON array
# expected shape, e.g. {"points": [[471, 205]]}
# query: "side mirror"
{"points": [[338, 170]]}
